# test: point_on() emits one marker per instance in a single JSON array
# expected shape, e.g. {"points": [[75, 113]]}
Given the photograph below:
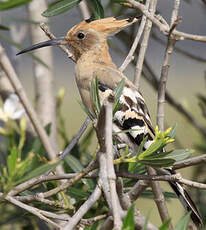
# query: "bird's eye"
{"points": [[80, 35]]}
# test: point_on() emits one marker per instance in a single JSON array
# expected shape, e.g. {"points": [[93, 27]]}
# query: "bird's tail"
{"points": [[186, 201]]}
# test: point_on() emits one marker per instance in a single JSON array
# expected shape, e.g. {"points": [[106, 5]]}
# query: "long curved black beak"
{"points": [[53, 42]]}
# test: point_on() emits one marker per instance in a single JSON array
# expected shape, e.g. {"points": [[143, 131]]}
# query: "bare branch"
{"points": [[31, 209], [110, 166], [159, 198], [162, 26], [61, 187], [84, 208], [130, 56], [84, 10], [75, 139], [190, 162], [164, 76], [143, 47], [46, 30]]}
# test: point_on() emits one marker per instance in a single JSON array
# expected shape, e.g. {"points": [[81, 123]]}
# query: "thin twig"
{"points": [[84, 208], [162, 26], [31, 209], [130, 56], [75, 139], [164, 75], [190, 162], [63, 186], [137, 189], [159, 198], [14, 80], [153, 80], [143, 47], [46, 30]]}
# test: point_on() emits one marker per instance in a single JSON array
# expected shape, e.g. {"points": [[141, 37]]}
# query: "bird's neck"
{"points": [[99, 54]]}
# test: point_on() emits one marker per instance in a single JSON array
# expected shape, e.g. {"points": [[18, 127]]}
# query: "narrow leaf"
{"points": [[183, 222], [158, 162], [2, 27], [165, 225], [39, 171], [11, 161], [118, 92], [96, 8], [128, 223], [6, 5], [60, 7], [180, 154], [76, 166], [173, 131]]}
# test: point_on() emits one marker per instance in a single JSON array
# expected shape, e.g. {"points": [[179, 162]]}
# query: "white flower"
{"points": [[12, 109]]}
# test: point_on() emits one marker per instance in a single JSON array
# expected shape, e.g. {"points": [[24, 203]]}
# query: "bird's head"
{"points": [[87, 35]]}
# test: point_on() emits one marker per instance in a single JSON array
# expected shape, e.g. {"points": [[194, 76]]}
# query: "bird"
{"points": [[88, 43]]}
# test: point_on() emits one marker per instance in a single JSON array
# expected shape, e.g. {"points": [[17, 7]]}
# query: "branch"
{"points": [[61, 187], [75, 139], [190, 162], [110, 166], [153, 80], [151, 5], [162, 26], [16, 84], [164, 75], [130, 56], [46, 30], [159, 198], [35, 211], [84, 208]]}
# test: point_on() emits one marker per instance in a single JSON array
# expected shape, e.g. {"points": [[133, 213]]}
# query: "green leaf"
{"points": [[94, 95], [17, 45], [183, 222], [76, 166], [180, 154], [164, 162], [77, 193], [118, 92], [73, 163], [154, 147], [6, 5], [165, 225], [38, 171], [2, 27], [128, 223], [24, 167], [146, 221], [172, 133], [96, 8], [89, 114], [11, 161], [60, 7], [97, 94]]}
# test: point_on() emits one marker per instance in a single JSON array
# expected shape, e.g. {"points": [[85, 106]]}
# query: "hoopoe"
{"points": [[88, 43]]}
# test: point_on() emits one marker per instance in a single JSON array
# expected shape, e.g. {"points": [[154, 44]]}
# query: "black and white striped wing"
{"points": [[132, 115]]}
